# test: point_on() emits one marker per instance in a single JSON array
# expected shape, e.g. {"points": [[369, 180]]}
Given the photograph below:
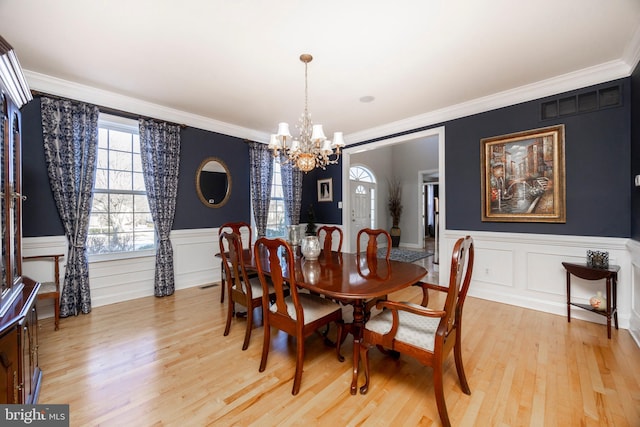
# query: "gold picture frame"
{"points": [[523, 176], [325, 190]]}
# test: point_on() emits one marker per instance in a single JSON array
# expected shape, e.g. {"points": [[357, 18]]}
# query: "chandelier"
{"points": [[312, 148]]}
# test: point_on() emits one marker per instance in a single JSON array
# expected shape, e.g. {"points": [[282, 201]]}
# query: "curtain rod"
{"points": [[107, 110]]}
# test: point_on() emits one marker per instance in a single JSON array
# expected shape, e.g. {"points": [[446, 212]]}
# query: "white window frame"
{"points": [[277, 199], [122, 124]]}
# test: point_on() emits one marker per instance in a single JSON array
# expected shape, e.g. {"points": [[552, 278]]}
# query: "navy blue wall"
{"points": [[195, 146], [325, 212], [39, 213], [598, 176], [598, 156], [598, 169], [40, 217], [635, 152]]}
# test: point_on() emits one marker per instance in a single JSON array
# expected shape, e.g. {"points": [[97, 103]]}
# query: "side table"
{"points": [[586, 272]]}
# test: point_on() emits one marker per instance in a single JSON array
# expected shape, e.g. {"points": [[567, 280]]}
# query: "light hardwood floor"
{"points": [[164, 361]]}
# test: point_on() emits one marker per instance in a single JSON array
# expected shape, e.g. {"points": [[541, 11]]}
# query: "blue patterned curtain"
{"points": [[70, 131], [261, 164], [292, 191], [160, 153]]}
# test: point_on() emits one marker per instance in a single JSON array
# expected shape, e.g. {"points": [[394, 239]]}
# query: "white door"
{"points": [[361, 212]]}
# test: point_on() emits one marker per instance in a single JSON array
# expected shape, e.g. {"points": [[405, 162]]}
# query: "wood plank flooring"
{"points": [[164, 362]]}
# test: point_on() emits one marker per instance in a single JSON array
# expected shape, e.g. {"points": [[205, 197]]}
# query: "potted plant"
{"points": [[311, 222], [395, 209]]}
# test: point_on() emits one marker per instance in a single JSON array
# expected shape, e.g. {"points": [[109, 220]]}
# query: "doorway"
{"points": [[362, 184], [435, 134]]}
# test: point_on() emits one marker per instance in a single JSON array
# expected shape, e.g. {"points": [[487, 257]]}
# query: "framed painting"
{"points": [[325, 190], [523, 176]]}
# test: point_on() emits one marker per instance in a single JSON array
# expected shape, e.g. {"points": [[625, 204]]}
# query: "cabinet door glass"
{"points": [[15, 202]]}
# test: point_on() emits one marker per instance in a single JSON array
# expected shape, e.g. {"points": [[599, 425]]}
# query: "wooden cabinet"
{"points": [[20, 374], [19, 371]]}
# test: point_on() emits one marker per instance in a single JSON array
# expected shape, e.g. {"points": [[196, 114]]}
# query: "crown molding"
{"points": [[571, 81], [71, 90], [631, 54]]}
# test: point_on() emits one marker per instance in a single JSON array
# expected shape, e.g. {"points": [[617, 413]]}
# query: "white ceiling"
{"points": [[233, 67]]}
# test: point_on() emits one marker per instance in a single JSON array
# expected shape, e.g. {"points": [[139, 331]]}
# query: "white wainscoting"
{"points": [[114, 281], [634, 321], [526, 270], [519, 269]]}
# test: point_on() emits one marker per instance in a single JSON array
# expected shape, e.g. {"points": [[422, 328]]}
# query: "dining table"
{"points": [[351, 279]]}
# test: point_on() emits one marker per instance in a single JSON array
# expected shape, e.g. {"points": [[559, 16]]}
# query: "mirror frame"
{"points": [[229, 182]]}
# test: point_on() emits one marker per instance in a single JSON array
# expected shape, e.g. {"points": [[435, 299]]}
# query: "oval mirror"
{"points": [[213, 182]]}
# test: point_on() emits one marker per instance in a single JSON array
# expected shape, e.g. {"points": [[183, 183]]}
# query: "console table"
{"points": [[586, 272]]}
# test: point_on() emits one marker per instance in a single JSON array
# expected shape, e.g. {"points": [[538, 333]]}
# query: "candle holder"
{"points": [[294, 232], [310, 247]]}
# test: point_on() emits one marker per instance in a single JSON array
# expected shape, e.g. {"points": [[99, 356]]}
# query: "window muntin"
{"points": [[276, 219], [120, 219]]}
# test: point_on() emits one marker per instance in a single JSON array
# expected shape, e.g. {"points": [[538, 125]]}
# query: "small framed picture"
{"points": [[325, 190]]}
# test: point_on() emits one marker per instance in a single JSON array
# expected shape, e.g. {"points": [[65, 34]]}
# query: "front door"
{"points": [[361, 197]]}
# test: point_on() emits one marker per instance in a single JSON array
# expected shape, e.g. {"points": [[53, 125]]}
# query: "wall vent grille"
{"points": [[582, 103]]}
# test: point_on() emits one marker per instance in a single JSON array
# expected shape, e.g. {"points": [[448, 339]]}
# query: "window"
{"points": [[120, 219], [276, 222]]}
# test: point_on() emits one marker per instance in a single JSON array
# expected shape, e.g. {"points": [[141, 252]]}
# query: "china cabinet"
{"points": [[20, 374]]}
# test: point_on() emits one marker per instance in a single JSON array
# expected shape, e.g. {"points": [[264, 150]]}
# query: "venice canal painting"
{"points": [[523, 176]]}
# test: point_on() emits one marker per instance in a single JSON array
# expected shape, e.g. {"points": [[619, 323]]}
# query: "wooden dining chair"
{"points": [[427, 335], [50, 289], [374, 236], [296, 313], [242, 289], [242, 229], [328, 231]]}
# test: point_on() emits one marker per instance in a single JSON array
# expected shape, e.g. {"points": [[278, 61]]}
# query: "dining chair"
{"points": [[374, 236], [240, 228], [425, 334], [296, 313], [242, 289], [50, 289], [327, 231]]}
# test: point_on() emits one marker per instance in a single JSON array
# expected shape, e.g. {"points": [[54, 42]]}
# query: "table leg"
{"points": [[614, 302], [358, 324], [568, 297], [609, 307]]}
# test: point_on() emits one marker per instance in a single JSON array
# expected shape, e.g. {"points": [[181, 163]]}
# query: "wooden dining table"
{"points": [[352, 279]]}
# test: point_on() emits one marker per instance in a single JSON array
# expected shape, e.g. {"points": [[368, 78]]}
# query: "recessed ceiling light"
{"points": [[367, 98]]}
